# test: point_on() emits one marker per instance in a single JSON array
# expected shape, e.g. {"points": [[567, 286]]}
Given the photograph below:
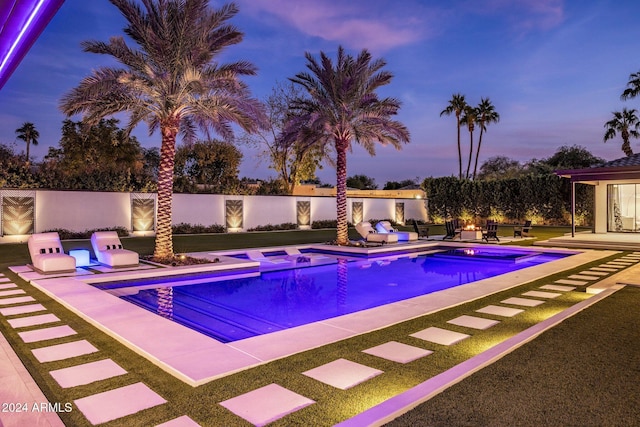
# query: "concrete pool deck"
{"points": [[184, 356]]}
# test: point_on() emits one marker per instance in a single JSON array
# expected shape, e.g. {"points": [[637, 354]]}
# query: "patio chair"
{"points": [[108, 250], [522, 230], [47, 254], [452, 230], [421, 230], [295, 254], [256, 255], [385, 227], [369, 234], [491, 232]]}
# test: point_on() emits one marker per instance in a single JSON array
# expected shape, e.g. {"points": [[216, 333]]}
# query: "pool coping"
{"points": [[197, 359]]}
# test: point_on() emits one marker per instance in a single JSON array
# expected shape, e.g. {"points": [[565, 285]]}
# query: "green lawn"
{"points": [[332, 405]]}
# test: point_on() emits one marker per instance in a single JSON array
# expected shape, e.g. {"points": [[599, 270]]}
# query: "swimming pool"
{"points": [[235, 307]]}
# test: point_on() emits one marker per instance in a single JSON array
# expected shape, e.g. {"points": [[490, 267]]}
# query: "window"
{"points": [[623, 207]]}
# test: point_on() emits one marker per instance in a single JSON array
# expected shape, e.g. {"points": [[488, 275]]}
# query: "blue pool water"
{"points": [[230, 308]]}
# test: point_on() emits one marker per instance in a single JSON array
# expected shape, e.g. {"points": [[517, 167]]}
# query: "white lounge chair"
{"points": [[294, 253], [47, 254], [108, 250], [256, 255], [370, 235], [403, 236]]}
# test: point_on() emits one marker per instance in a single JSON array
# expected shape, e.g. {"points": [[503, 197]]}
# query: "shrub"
{"points": [[86, 234], [269, 227], [184, 228]]}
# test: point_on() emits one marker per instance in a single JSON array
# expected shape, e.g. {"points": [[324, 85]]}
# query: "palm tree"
{"points": [[171, 82], [28, 133], [470, 118], [456, 106], [633, 86], [486, 115], [342, 107], [625, 122]]}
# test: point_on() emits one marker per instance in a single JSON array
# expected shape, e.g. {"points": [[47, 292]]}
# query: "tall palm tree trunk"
{"points": [[626, 145], [342, 237], [470, 154], [475, 166], [28, 141], [459, 150], [164, 242]]}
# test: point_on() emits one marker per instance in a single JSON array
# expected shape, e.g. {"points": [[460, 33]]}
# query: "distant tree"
{"points": [[343, 107], [456, 106], [172, 81], [469, 119], [574, 157], [294, 160], [486, 115], [626, 122], [633, 86], [28, 133], [208, 166], [361, 182], [396, 185], [500, 167]]}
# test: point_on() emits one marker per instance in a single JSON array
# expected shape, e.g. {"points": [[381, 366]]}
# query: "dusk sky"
{"points": [[553, 69]]}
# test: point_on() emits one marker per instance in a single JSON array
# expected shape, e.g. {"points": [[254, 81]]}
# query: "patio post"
{"points": [[573, 209]]}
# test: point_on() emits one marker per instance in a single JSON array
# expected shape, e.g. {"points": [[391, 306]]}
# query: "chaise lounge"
{"points": [[384, 227], [47, 254], [370, 235], [108, 250], [522, 230]]}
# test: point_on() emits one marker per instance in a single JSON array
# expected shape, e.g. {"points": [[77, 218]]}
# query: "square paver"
{"points": [[41, 319], [10, 292], [266, 404], [46, 333], [22, 309], [560, 288], [113, 404], [342, 373], [67, 350], [583, 277], [398, 352], [440, 336], [496, 310], [87, 373], [183, 421], [16, 300], [539, 294], [571, 282], [8, 285], [594, 273], [473, 322], [525, 302]]}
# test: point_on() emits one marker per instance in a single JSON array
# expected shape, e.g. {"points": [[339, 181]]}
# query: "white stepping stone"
{"points": [[266, 404], [525, 302], [612, 266], [594, 273], [630, 259], [571, 282], [473, 322], [63, 351], [538, 294], [5, 280], [46, 334], [41, 319], [110, 405], [342, 373], [23, 309], [16, 300], [558, 288], [496, 310], [583, 277], [8, 285], [440, 336], [11, 292], [87, 373], [398, 352], [183, 421], [605, 269]]}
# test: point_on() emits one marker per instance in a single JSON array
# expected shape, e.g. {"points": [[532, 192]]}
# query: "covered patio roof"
{"points": [[626, 168], [21, 23]]}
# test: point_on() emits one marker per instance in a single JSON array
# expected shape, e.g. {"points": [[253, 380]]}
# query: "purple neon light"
{"points": [[21, 23]]}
